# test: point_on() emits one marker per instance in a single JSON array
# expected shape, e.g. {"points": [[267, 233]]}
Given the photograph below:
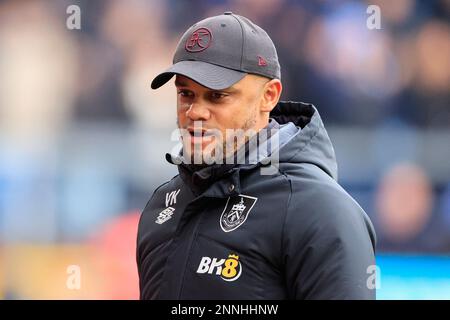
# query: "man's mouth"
{"points": [[196, 132], [200, 136]]}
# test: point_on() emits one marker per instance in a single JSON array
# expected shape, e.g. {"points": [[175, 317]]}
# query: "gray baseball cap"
{"points": [[219, 51]]}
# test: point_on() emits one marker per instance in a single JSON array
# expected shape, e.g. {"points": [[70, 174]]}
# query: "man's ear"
{"points": [[271, 95]]}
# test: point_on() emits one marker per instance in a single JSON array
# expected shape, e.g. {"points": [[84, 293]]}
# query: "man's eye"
{"points": [[184, 93], [217, 95]]}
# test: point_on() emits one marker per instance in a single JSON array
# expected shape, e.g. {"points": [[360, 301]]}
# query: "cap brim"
{"points": [[207, 74]]}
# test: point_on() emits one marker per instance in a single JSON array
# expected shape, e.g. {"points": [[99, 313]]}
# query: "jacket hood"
{"points": [[311, 143]]}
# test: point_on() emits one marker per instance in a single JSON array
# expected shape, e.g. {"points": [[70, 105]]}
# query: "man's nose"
{"points": [[197, 112]]}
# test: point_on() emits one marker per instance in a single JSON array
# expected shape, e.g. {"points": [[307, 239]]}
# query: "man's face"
{"points": [[237, 107]]}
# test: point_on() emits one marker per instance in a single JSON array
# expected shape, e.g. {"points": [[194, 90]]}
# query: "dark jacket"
{"points": [[295, 234]]}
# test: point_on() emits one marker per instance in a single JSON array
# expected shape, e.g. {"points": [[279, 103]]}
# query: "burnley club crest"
{"points": [[236, 212]]}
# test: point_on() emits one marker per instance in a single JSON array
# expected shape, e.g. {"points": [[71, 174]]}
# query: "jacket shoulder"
{"points": [[318, 200], [164, 187]]}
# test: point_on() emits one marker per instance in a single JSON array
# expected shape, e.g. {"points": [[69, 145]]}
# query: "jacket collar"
{"points": [[202, 178]]}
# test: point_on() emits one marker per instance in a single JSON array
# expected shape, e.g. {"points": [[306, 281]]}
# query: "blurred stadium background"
{"points": [[83, 137]]}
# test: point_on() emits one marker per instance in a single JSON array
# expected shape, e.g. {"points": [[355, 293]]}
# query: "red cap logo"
{"points": [[199, 40], [262, 62]]}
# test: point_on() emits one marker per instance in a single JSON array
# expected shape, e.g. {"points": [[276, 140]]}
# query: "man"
{"points": [[253, 216]]}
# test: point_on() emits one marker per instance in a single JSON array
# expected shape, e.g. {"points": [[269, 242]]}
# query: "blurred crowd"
{"points": [[83, 137]]}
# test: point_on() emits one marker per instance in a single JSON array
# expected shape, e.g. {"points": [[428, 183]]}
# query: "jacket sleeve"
{"points": [[138, 239], [328, 245]]}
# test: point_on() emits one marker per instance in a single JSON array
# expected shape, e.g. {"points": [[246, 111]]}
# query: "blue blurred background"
{"points": [[83, 137]]}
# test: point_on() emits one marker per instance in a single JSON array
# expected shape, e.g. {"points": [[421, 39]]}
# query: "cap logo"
{"points": [[261, 61], [199, 40]]}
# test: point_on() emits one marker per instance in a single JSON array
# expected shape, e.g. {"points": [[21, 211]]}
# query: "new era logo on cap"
{"points": [[261, 61], [219, 51]]}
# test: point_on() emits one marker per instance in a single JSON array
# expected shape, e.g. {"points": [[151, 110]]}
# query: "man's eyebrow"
{"points": [[180, 83]]}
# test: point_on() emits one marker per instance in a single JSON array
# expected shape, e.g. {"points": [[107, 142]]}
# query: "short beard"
{"points": [[229, 146]]}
